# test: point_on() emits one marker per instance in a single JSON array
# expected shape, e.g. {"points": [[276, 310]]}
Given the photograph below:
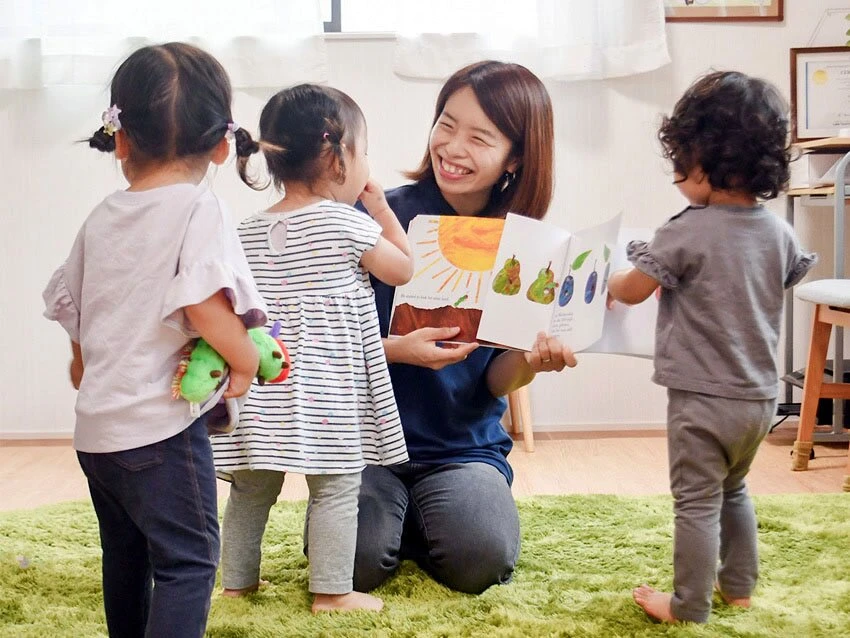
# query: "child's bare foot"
{"points": [[236, 593], [351, 601], [655, 603], [735, 602]]}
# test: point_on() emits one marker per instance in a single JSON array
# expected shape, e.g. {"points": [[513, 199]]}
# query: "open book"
{"points": [[503, 281]]}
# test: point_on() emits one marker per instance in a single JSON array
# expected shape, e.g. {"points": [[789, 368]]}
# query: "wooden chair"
{"points": [[832, 308], [520, 411]]}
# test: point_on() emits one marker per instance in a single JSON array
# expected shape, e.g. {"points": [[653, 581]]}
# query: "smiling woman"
{"points": [[492, 120]]}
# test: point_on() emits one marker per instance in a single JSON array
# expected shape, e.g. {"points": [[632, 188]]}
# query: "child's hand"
{"points": [[373, 199], [239, 384]]}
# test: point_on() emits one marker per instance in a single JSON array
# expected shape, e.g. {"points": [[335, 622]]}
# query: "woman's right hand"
{"points": [[420, 348]]}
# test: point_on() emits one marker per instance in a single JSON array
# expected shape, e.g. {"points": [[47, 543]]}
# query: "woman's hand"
{"points": [[549, 355], [424, 348]]}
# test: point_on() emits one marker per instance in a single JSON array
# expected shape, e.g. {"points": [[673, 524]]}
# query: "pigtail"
{"points": [[102, 141], [246, 146], [332, 136]]}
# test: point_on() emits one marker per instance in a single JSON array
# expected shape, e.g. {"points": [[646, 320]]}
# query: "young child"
{"points": [[723, 265], [311, 254], [152, 267]]}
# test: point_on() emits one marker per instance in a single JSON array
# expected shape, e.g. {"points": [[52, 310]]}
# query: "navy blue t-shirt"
{"points": [[448, 415]]}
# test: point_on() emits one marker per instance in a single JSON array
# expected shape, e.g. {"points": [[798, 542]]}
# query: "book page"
{"points": [[629, 330], [453, 259], [579, 308], [524, 284]]}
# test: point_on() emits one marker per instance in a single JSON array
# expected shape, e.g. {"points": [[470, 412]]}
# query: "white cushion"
{"points": [[832, 292]]}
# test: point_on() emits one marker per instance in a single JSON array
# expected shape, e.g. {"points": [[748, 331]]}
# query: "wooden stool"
{"points": [[832, 308], [520, 410]]}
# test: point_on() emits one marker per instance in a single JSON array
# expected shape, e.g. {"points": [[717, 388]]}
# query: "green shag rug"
{"points": [[581, 556]]}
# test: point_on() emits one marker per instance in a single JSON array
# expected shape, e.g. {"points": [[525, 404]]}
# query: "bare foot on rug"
{"points": [[735, 602], [236, 593], [655, 603], [351, 601]]}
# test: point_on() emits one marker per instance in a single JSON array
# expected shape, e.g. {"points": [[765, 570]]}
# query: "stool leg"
{"points": [[811, 391], [516, 417], [525, 417], [846, 486]]}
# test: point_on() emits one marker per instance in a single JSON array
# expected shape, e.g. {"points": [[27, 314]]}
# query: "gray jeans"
{"points": [[458, 521], [711, 444], [332, 525]]}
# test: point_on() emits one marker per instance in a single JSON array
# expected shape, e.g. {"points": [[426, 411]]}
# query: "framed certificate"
{"points": [[820, 92], [722, 10]]}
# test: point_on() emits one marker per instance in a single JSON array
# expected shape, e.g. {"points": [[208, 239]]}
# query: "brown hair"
{"points": [[734, 127], [518, 104], [174, 100]]}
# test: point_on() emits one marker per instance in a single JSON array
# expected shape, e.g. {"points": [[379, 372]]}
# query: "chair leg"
{"points": [[811, 391]]}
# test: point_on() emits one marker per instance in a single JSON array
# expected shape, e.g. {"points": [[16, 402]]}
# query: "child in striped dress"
{"points": [[311, 255]]}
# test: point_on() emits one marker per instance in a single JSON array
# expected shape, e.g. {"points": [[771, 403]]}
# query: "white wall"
{"points": [[607, 160]]}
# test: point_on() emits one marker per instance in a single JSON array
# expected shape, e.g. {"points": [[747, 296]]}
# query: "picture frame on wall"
{"points": [[723, 10], [820, 92]]}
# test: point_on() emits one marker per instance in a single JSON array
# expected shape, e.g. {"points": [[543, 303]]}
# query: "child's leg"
{"points": [[252, 494], [332, 540], [127, 576], [738, 571], [168, 491], [697, 471]]}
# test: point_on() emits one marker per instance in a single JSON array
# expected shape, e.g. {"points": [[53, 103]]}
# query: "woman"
{"points": [[450, 508]]}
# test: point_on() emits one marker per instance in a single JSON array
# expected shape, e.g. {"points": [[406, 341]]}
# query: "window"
{"points": [[359, 16]]}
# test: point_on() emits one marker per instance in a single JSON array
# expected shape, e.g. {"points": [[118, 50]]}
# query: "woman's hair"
{"points": [[515, 100], [174, 102], [301, 128], [735, 128]]}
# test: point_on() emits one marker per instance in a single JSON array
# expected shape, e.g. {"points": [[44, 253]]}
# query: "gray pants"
{"points": [[711, 444], [332, 530]]}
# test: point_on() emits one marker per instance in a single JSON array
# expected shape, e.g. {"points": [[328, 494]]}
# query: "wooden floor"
{"points": [[563, 463]]}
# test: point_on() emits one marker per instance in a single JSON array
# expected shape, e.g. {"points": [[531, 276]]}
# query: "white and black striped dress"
{"points": [[336, 411]]}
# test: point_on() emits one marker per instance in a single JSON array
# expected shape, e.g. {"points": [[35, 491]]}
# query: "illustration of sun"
{"points": [[465, 251], [820, 77]]}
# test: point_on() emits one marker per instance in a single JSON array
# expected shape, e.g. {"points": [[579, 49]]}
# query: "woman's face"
{"points": [[468, 153]]}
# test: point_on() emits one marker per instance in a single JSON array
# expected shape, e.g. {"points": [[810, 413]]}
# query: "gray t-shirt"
{"points": [[138, 261], [723, 271]]}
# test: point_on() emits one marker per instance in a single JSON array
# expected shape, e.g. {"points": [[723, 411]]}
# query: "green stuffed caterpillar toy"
{"points": [[202, 372]]}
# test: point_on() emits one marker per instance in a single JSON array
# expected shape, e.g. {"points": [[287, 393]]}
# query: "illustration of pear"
{"points": [[507, 281], [606, 253], [566, 290], [590, 288], [542, 289]]}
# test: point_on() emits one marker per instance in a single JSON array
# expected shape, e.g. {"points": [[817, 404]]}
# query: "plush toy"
{"points": [[202, 372]]}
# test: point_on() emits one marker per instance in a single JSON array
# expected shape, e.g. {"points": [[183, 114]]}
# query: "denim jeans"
{"points": [[157, 512], [458, 521]]}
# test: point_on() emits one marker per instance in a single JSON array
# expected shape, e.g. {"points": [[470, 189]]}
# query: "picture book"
{"points": [[503, 281]]}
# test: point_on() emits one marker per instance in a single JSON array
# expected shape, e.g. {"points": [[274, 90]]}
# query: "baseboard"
{"points": [[17, 439]]}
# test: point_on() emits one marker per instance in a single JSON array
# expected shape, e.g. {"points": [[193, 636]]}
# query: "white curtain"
{"points": [[557, 39], [259, 42]]}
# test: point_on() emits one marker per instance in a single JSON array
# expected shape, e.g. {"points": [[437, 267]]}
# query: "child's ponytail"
{"points": [[246, 146], [101, 141]]}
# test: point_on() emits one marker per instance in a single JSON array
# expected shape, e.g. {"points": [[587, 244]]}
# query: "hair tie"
{"points": [[232, 127], [325, 136], [110, 120]]}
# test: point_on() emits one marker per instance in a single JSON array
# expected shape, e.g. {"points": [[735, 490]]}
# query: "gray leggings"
{"points": [[332, 529], [711, 444]]}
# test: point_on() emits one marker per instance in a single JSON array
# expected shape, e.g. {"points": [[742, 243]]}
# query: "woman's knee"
{"points": [[474, 564]]}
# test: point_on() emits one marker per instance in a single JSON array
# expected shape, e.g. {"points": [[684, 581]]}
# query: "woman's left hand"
{"points": [[549, 355]]}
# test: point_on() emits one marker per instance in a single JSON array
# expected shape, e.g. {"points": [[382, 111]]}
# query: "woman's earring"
{"points": [[507, 179]]}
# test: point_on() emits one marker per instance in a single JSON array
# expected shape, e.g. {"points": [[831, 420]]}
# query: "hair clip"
{"points": [[232, 127], [111, 123], [325, 136]]}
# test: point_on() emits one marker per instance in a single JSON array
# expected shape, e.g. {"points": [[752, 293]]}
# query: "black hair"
{"points": [[300, 128], [174, 100], [735, 128]]}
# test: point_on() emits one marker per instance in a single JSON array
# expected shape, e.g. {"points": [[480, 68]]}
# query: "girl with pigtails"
{"points": [[311, 254], [154, 266]]}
